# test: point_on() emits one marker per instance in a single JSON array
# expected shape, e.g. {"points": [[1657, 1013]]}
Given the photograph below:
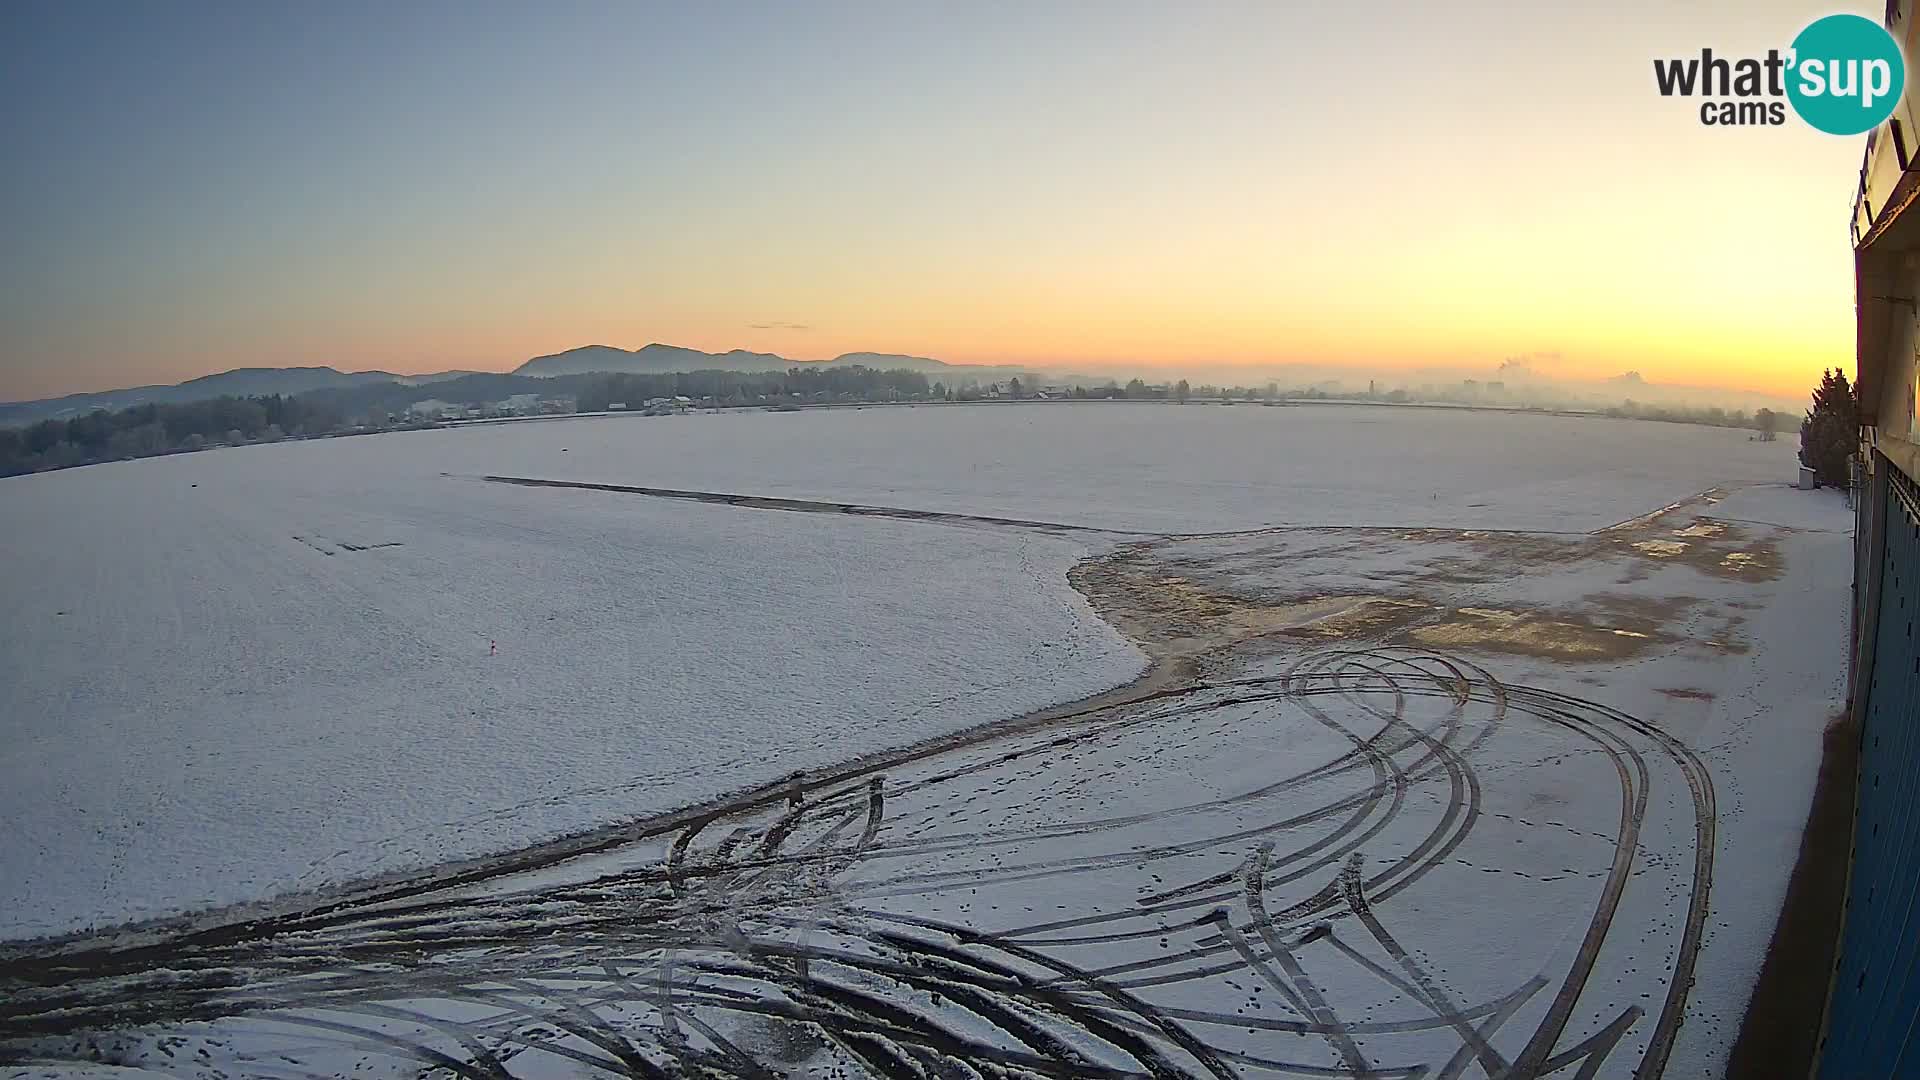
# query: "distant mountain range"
{"points": [[1521, 383], [655, 358], [658, 358], [239, 382]]}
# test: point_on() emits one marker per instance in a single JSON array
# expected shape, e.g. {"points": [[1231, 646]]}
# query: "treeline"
{"points": [[149, 430], [1765, 421], [155, 429], [849, 384], [1830, 434], [374, 403]]}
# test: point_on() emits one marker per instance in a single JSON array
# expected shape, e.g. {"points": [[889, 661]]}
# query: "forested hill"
{"points": [[653, 359], [156, 428], [165, 428], [240, 382], [658, 359]]}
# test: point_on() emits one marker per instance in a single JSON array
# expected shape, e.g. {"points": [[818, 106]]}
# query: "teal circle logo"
{"points": [[1847, 74]]}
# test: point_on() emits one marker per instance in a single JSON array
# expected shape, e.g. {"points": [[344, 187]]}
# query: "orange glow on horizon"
{"points": [[1143, 190]]}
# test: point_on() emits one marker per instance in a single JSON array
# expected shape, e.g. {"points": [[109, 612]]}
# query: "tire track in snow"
{"points": [[782, 914]]}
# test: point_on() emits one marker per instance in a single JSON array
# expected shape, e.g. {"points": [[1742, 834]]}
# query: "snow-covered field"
{"points": [[1416, 796], [1136, 465], [237, 674]]}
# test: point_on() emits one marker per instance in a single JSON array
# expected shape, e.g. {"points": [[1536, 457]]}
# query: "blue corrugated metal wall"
{"points": [[1873, 1020]]}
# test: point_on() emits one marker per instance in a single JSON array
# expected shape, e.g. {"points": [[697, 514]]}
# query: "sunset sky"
{"points": [[412, 187]]}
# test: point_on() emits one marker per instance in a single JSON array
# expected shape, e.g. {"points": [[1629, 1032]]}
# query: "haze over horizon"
{"points": [[1069, 187]]}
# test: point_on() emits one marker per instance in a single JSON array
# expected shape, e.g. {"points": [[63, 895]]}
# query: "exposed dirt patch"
{"points": [[1175, 617], [1634, 574], [1460, 570], [802, 506], [1658, 610], [330, 547], [1532, 634], [1686, 693], [1728, 638], [1184, 603], [1715, 548], [1650, 519], [1510, 548], [1493, 556]]}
